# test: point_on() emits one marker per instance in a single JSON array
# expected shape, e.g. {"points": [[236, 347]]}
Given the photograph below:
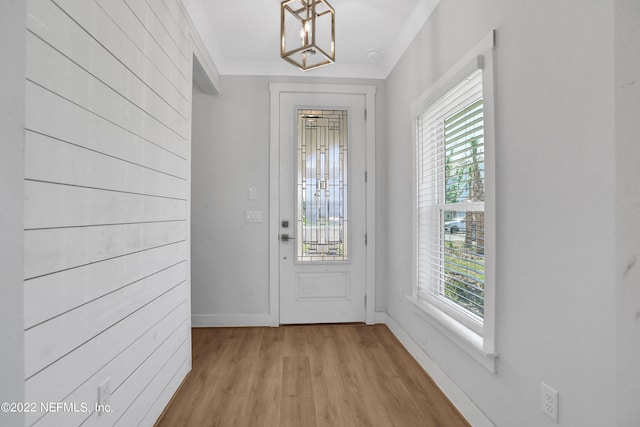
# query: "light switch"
{"points": [[252, 216], [253, 192]]}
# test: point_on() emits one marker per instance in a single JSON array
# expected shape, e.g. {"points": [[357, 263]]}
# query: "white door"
{"points": [[322, 208]]}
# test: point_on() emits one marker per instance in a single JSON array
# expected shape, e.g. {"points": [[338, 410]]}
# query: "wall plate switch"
{"points": [[252, 216], [549, 402]]}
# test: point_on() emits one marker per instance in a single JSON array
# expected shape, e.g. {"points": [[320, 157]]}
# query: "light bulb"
{"points": [[306, 28], [304, 31]]}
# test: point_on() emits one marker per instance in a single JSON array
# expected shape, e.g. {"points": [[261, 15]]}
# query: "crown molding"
{"points": [[378, 70], [416, 21]]}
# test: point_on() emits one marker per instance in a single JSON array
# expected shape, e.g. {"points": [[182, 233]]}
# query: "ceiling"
{"points": [[243, 36]]}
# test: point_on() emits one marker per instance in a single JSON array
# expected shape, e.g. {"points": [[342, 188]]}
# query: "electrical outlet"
{"points": [[104, 397], [549, 402]]}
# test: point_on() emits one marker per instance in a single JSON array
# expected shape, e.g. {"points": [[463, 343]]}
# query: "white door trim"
{"points": [[276, 90]]}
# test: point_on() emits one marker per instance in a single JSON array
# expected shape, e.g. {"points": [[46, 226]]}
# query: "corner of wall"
{"points": [[12, 112]]}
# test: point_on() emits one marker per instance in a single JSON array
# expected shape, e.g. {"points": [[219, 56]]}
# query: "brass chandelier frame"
{"points": [[306, 13]]}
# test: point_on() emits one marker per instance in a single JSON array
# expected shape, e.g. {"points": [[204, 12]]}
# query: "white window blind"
{"points": [[450, 203]]}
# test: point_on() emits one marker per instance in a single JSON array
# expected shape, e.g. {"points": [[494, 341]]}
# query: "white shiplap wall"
{"points": [[107, 147]]}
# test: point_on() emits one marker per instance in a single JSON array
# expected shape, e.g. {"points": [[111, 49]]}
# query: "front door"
{"points": [[322, 208]]}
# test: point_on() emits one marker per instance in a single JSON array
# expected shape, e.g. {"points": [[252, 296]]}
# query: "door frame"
{"points": [[368, 91]]}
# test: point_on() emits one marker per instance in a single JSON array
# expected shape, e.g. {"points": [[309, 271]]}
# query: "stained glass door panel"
{"points": [[322, 186]]}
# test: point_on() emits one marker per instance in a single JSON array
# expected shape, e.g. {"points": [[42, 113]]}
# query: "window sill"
{"points": [[468, 340]]}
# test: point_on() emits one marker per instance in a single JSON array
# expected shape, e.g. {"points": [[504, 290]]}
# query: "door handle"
{"points": [[284, 237]]}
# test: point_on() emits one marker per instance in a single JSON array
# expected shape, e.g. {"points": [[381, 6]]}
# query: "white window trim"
{"points": [[480, 346]]}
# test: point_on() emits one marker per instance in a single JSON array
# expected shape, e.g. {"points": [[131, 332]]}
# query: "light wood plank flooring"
{"points": [[305, 376]]}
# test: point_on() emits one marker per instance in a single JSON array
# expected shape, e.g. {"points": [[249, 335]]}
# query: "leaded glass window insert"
{"points": [[322, 186]]}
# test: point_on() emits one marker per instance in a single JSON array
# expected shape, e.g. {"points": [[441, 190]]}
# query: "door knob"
{"points": [[285, 237]]}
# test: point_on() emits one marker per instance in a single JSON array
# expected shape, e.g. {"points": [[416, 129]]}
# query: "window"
{"points": [[321, 208], [451, 188], [454, 205]]}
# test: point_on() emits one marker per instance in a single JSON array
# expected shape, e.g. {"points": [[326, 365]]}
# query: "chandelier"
{"points": [[307, 33]]}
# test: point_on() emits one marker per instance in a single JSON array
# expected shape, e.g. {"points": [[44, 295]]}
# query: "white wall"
{"points": [[12, 29], [555, 204], [627, 160], [230, 153], [230, 269], [108, 114]]}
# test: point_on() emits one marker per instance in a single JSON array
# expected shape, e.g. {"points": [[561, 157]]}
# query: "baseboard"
{"points": [[219, 320], [467, 408]]}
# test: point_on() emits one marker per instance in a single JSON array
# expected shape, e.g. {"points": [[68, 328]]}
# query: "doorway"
{"points": [[321, 216]]}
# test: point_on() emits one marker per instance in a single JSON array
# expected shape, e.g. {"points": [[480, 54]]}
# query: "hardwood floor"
{"points": [[305, 376]]}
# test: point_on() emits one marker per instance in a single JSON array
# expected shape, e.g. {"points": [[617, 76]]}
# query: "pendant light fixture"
{"points": [[307, 33]]}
